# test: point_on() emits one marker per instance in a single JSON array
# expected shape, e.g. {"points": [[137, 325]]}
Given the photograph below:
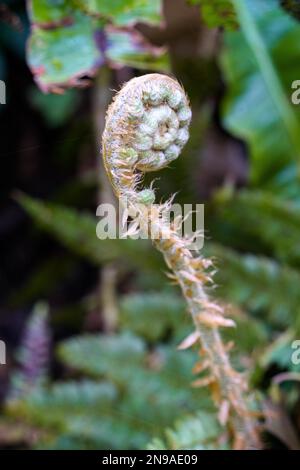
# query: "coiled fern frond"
{"points": [[146, 128]]}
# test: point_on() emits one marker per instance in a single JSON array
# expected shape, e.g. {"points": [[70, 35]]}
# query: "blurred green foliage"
{"points": [[197, 432], [130, 393], [131, 388], [218, 13], [103, 32], [260, 63]]}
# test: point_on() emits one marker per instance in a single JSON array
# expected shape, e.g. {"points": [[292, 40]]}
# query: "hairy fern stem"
{"points": [[146, 128]]}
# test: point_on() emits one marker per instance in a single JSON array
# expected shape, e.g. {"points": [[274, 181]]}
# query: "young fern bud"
{"points": [[146, 128]]}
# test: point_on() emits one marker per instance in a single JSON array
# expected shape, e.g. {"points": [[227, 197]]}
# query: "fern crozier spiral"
{"points": [[146, 129]]}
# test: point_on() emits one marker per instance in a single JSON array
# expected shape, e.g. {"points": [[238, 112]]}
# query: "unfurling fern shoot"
{"points": [[146, 129]]}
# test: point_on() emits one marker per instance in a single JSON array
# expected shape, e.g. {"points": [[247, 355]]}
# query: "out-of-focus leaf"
{"points": [[249, 335], [143, 392], [103, 355], [267, 218], [61, 57], [78, 232], [259, 284], [126, 46], [70, 40], [280, 353], [160, 378], [124, 359], [197, 432], [258, 63], [124, 12], [217, 13], [49, 12], [84, 412], [164, 311], [63, 399], [121, 12]]}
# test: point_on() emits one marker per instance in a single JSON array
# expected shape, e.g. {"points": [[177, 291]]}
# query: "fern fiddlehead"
{"points": [[146, 128]]}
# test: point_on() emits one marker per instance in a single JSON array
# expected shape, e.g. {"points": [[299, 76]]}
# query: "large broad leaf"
{"points": [[121, 12], [62, 56], [259, 63], [49, 12], [217, 13], [70, 40], [126, 46], [124, 12]]}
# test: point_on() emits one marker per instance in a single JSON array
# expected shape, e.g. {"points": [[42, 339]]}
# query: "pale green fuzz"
{"points": [[160, 114], [184, 115], [136, 111], [161, 142], [130, 155], [151, 161], [142, 142], [175, 99], [154, 96], [172, 152], [182, 137], [150, 122], [147, 129], [146, 197]]}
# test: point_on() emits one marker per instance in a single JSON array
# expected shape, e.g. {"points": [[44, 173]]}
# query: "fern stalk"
{"points": [[146, 128]]}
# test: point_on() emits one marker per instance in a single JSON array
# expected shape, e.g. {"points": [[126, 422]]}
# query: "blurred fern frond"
{"points": [[138, 392], [101, 355], [78, 232], [258, 284], [274, 222], [164, 311], [198, 432], [33, 356]]}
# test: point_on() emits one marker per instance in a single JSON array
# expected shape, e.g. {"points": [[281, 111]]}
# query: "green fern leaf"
{"points": [[197, 432]]}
